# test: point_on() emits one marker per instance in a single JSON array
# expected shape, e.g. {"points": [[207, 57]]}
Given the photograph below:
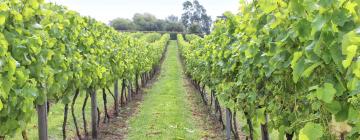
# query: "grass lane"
{"points": [[165, 112]]}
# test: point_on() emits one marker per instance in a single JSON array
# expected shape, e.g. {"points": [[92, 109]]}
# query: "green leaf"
{"points": [[30, 91], [356, 70], [339, 17], [326, 93], [318, 23], [2, 19], [21, 75], [343, 114], [267, 5], [11, 66], [310, 5], [66, 100], [296, 57], [326, 3], [351, 38], [308, 71], [17, 16], [298, 70], [297, 7], [333, 107], [350, 54], [354, 115], [351, 7], [311, 131], [4, 7], [297, 67], [261, 115], [3, 45], [28, 13], [1, 105], [303, 28], [336, 55], [34, 4]]}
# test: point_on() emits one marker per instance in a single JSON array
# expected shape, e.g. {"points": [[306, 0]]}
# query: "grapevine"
{"points": [[293, 62]]}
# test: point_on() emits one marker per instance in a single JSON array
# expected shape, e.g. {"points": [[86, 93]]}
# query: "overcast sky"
{"points": [[105, 10]]}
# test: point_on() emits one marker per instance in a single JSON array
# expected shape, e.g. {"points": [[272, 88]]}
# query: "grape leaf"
{"points": [[2, 18], [267, 5], [308, 71], [351, 7], [318, 23], [326, 93], [350, 54], [333, 107], [297, 66], [1, 105], [311, 131]]}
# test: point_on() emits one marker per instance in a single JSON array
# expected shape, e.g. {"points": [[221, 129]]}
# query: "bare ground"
{"points": [[117, 129], [212, 129]]}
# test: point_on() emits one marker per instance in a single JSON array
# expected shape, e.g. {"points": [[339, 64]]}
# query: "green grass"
{"points": [[165, 112], [56, 117]]}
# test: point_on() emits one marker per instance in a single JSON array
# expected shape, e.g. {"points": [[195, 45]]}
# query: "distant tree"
{"points": [[122, 24], [173, 24], [195, 17], [145, 22], [148, 22], [174, 27], [186, 16], [160, 25], [172, 18], [195, 29]]}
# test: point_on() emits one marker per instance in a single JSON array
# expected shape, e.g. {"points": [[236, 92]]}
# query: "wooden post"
{"points": [[116, 94], [228, 124], [93, 113], [42, 121], [130, 92], [264, 129], [137, 83]]}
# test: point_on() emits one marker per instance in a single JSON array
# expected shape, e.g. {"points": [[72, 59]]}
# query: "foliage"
{"points": [[122, 24], [47, 52], [195, 19], [297, 60], [148, 22]]}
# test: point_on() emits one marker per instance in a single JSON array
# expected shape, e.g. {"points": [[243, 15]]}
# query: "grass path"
{"points": [[165, 112]]}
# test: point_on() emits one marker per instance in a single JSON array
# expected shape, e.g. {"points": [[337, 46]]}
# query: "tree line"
{"points": [[194, 20]]}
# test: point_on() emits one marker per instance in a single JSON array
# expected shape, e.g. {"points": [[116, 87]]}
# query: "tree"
{"points": [[148, 22], [195, 28], [172, 18], [173, 24], [160, 25], [122, 24], [195, 18], [174, 27], [186, 16], [145, 22]]}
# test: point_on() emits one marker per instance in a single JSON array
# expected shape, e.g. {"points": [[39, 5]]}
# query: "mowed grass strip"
{"points": [[165, 112]]}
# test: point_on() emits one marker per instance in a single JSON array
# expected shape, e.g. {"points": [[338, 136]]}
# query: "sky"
{"points": [[106, 10]]}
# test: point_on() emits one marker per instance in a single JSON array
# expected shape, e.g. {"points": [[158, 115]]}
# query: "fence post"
{"points": [[116, 94], [42, 121], [93, 113], [228, 124]]}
